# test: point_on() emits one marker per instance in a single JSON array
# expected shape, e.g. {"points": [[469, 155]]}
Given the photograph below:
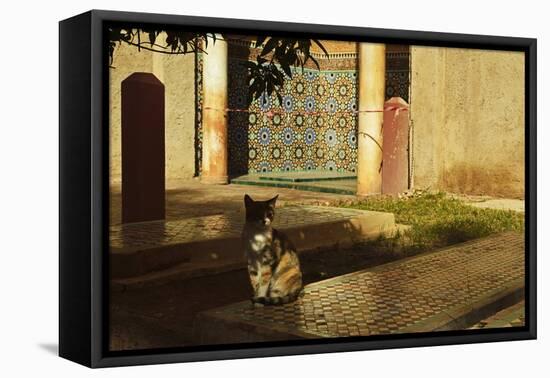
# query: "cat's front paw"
{"points": [[258, 301]]}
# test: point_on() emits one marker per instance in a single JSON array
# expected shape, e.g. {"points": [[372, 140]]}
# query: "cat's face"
{"points": [[260, 213]]}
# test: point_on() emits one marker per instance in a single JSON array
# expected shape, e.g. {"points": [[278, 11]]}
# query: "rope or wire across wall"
{"points": [[271, 113]]}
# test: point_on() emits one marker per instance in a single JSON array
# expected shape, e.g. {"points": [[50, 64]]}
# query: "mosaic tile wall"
{"points": [[313, 129], [198, 113], [397, 75]]}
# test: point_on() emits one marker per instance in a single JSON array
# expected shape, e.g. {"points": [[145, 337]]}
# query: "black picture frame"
{"points": [[84, 190]]}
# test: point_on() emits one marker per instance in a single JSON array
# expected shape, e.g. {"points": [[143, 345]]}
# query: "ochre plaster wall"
{"points": [[467, 114], [176, 72]]}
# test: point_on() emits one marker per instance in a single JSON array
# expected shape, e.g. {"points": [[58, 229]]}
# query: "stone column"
{"points": [[372, 79], [214, 116]]}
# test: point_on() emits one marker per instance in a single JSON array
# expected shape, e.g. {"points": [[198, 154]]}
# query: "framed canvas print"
{"points": [[235, 188]]}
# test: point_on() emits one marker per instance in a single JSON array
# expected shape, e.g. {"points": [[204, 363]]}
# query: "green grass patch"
{"points": [[439, 220]]}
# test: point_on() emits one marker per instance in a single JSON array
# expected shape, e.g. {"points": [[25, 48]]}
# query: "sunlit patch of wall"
{"points": [[468, 115]]}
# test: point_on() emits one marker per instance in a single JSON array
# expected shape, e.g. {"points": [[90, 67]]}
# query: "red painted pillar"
{"points": [[395, 160], [143, 169]]}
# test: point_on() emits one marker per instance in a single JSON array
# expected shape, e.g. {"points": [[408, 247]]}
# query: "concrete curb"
{"points": [[465, 316]]}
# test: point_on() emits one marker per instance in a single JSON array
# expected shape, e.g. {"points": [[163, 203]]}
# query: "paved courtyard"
{"points": [[154, 252], [134, 236], [190, 198], [451, 288], [154, 303]]}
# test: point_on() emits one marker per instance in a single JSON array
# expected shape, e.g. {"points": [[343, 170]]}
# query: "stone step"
{"points": [[342, 185], [151, 252], [447, 289], [307, 176], [178, 272], [188, 270]]}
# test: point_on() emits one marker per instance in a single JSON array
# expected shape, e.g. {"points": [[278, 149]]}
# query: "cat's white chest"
{"points": [[258, 242]]}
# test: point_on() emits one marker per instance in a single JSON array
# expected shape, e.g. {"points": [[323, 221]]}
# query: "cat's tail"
{"points": [[274, 301]]}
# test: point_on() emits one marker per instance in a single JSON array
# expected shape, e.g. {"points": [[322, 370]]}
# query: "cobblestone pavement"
{"points": [[190, 198], [133, 236], [513, 316], [405, 296]]}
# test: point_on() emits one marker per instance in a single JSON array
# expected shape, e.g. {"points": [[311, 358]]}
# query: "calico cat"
{"points": [[273, 265]]}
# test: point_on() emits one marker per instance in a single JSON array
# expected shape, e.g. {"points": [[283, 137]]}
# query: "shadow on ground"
{"points": [[52, 348], [190, 198]]}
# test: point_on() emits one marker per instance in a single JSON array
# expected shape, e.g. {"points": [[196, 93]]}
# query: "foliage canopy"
{"points": [[265, 76]]}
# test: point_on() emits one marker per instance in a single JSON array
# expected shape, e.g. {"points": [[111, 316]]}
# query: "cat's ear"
{"points": [[273, 200], [247, 200]]}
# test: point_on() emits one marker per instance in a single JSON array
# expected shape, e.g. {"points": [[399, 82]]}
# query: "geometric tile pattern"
{"points": [[312, 129], [397, 75], [397, 84], [139, 236], [198, 112], [392, 297]]}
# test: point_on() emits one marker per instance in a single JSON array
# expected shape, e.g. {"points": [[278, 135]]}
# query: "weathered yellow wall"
{"points": [[467, 114], [177, 73]]}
